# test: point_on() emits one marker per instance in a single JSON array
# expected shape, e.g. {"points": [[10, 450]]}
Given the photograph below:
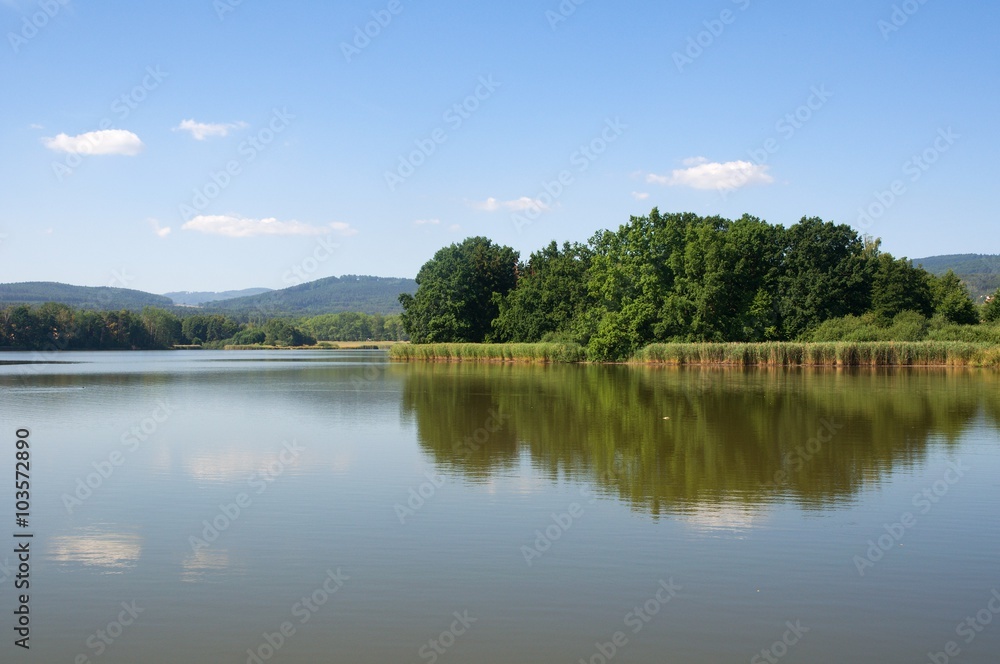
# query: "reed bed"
{"points": [[537, 353], [841, 354]]}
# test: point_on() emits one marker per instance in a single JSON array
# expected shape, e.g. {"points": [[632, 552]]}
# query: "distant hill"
{"points": [[979, 272], [195, 298], [370, 295], [82, 297]]}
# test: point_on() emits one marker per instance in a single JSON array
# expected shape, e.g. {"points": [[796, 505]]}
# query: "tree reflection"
{"points": [[676, 439]]}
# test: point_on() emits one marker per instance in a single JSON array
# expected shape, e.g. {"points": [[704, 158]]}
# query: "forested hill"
{"points": [[370, 295], [81, 297], [979, 272], [196, 298]]}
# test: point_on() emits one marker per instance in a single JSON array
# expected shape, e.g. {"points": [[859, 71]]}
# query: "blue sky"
{"points": [[210, 145]]}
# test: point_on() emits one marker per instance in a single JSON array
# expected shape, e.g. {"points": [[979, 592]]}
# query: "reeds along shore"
{"points": [[539, 352], [842, 354]]}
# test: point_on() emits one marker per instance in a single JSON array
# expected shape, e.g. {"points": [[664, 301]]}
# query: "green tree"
{"points": [[551, 293], [824, 275], [952, 300], [163, 327], [455, 301], [898, 286], [278, 332], [991, 310]]}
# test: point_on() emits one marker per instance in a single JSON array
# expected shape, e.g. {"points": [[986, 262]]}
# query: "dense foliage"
{"points": [[682, 278], [459, 291], [354, 326], [59, 327]]}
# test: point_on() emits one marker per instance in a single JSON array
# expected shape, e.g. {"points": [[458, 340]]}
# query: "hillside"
{"points": [[370, 295], [980, 272], [83, 297], [196, 298]]}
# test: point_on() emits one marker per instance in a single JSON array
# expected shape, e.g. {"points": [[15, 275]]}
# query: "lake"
{"points": [[308, 506]]}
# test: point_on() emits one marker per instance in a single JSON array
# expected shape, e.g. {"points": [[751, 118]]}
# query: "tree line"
{"points": [[53, 326], [681, 278]]}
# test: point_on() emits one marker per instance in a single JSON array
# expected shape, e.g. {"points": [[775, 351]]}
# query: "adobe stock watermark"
{"points": [[223, 7], [259, 481], [777, 650], [786, 127], [635, 620], [900, 16], [562, 13], [552, 533], [580, 162], [456, 115], [121, 109], [913, 169], [102, 639], [247, 151], [32, 25], [323, 251], [968, 630], [418, 496], [365, 34], [303, 610], [894, 532], [705, 39], [439, 645], [131, 440], [796, 460]]}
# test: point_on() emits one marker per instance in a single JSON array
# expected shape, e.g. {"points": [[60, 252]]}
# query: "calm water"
{"points": [[702, 515]]}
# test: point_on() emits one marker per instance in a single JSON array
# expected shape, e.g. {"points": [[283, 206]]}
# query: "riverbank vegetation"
{"points": [[60, 327], [539, 352], [682, 278]]}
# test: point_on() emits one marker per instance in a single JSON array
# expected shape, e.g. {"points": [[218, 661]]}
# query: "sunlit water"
{"points": [[702, 515]]}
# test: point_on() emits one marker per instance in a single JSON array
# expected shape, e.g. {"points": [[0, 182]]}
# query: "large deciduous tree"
{"points": [[455, 299]]}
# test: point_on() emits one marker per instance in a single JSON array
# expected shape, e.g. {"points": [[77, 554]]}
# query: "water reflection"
{"points": [[110, 552], [679, 439]]}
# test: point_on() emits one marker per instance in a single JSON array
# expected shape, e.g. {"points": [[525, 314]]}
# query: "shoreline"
{"points": [[733, 355]]}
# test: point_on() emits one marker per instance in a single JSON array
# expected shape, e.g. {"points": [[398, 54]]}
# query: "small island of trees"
{"points": [[676, 278]]}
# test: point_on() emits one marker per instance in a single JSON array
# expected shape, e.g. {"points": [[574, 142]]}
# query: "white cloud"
{"points": [[35, 125], [203, 130], [427, 222], [159, 231], [108, 141], [235, 226], [517, 205], [454, 228], [343, 228], [640, 195], [703, 174]]}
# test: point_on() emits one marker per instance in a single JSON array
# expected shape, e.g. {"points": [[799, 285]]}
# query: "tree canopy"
{"points": [[456, 289], [676, 277]]}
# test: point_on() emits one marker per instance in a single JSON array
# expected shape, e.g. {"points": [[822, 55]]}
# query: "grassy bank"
{"points": [[541, 352], [843, 354]]}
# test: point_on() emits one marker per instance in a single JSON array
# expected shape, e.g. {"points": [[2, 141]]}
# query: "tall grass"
{"points": [[539, 352], [851, 354]]}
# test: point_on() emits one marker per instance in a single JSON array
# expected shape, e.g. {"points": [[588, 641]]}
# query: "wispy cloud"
{"points": [[640, 195], [108, 141], [427, 222], [35, 125], [517, 205], [703, 174], [454, 228], [235, 226], [202, 130], [159, 231]]}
